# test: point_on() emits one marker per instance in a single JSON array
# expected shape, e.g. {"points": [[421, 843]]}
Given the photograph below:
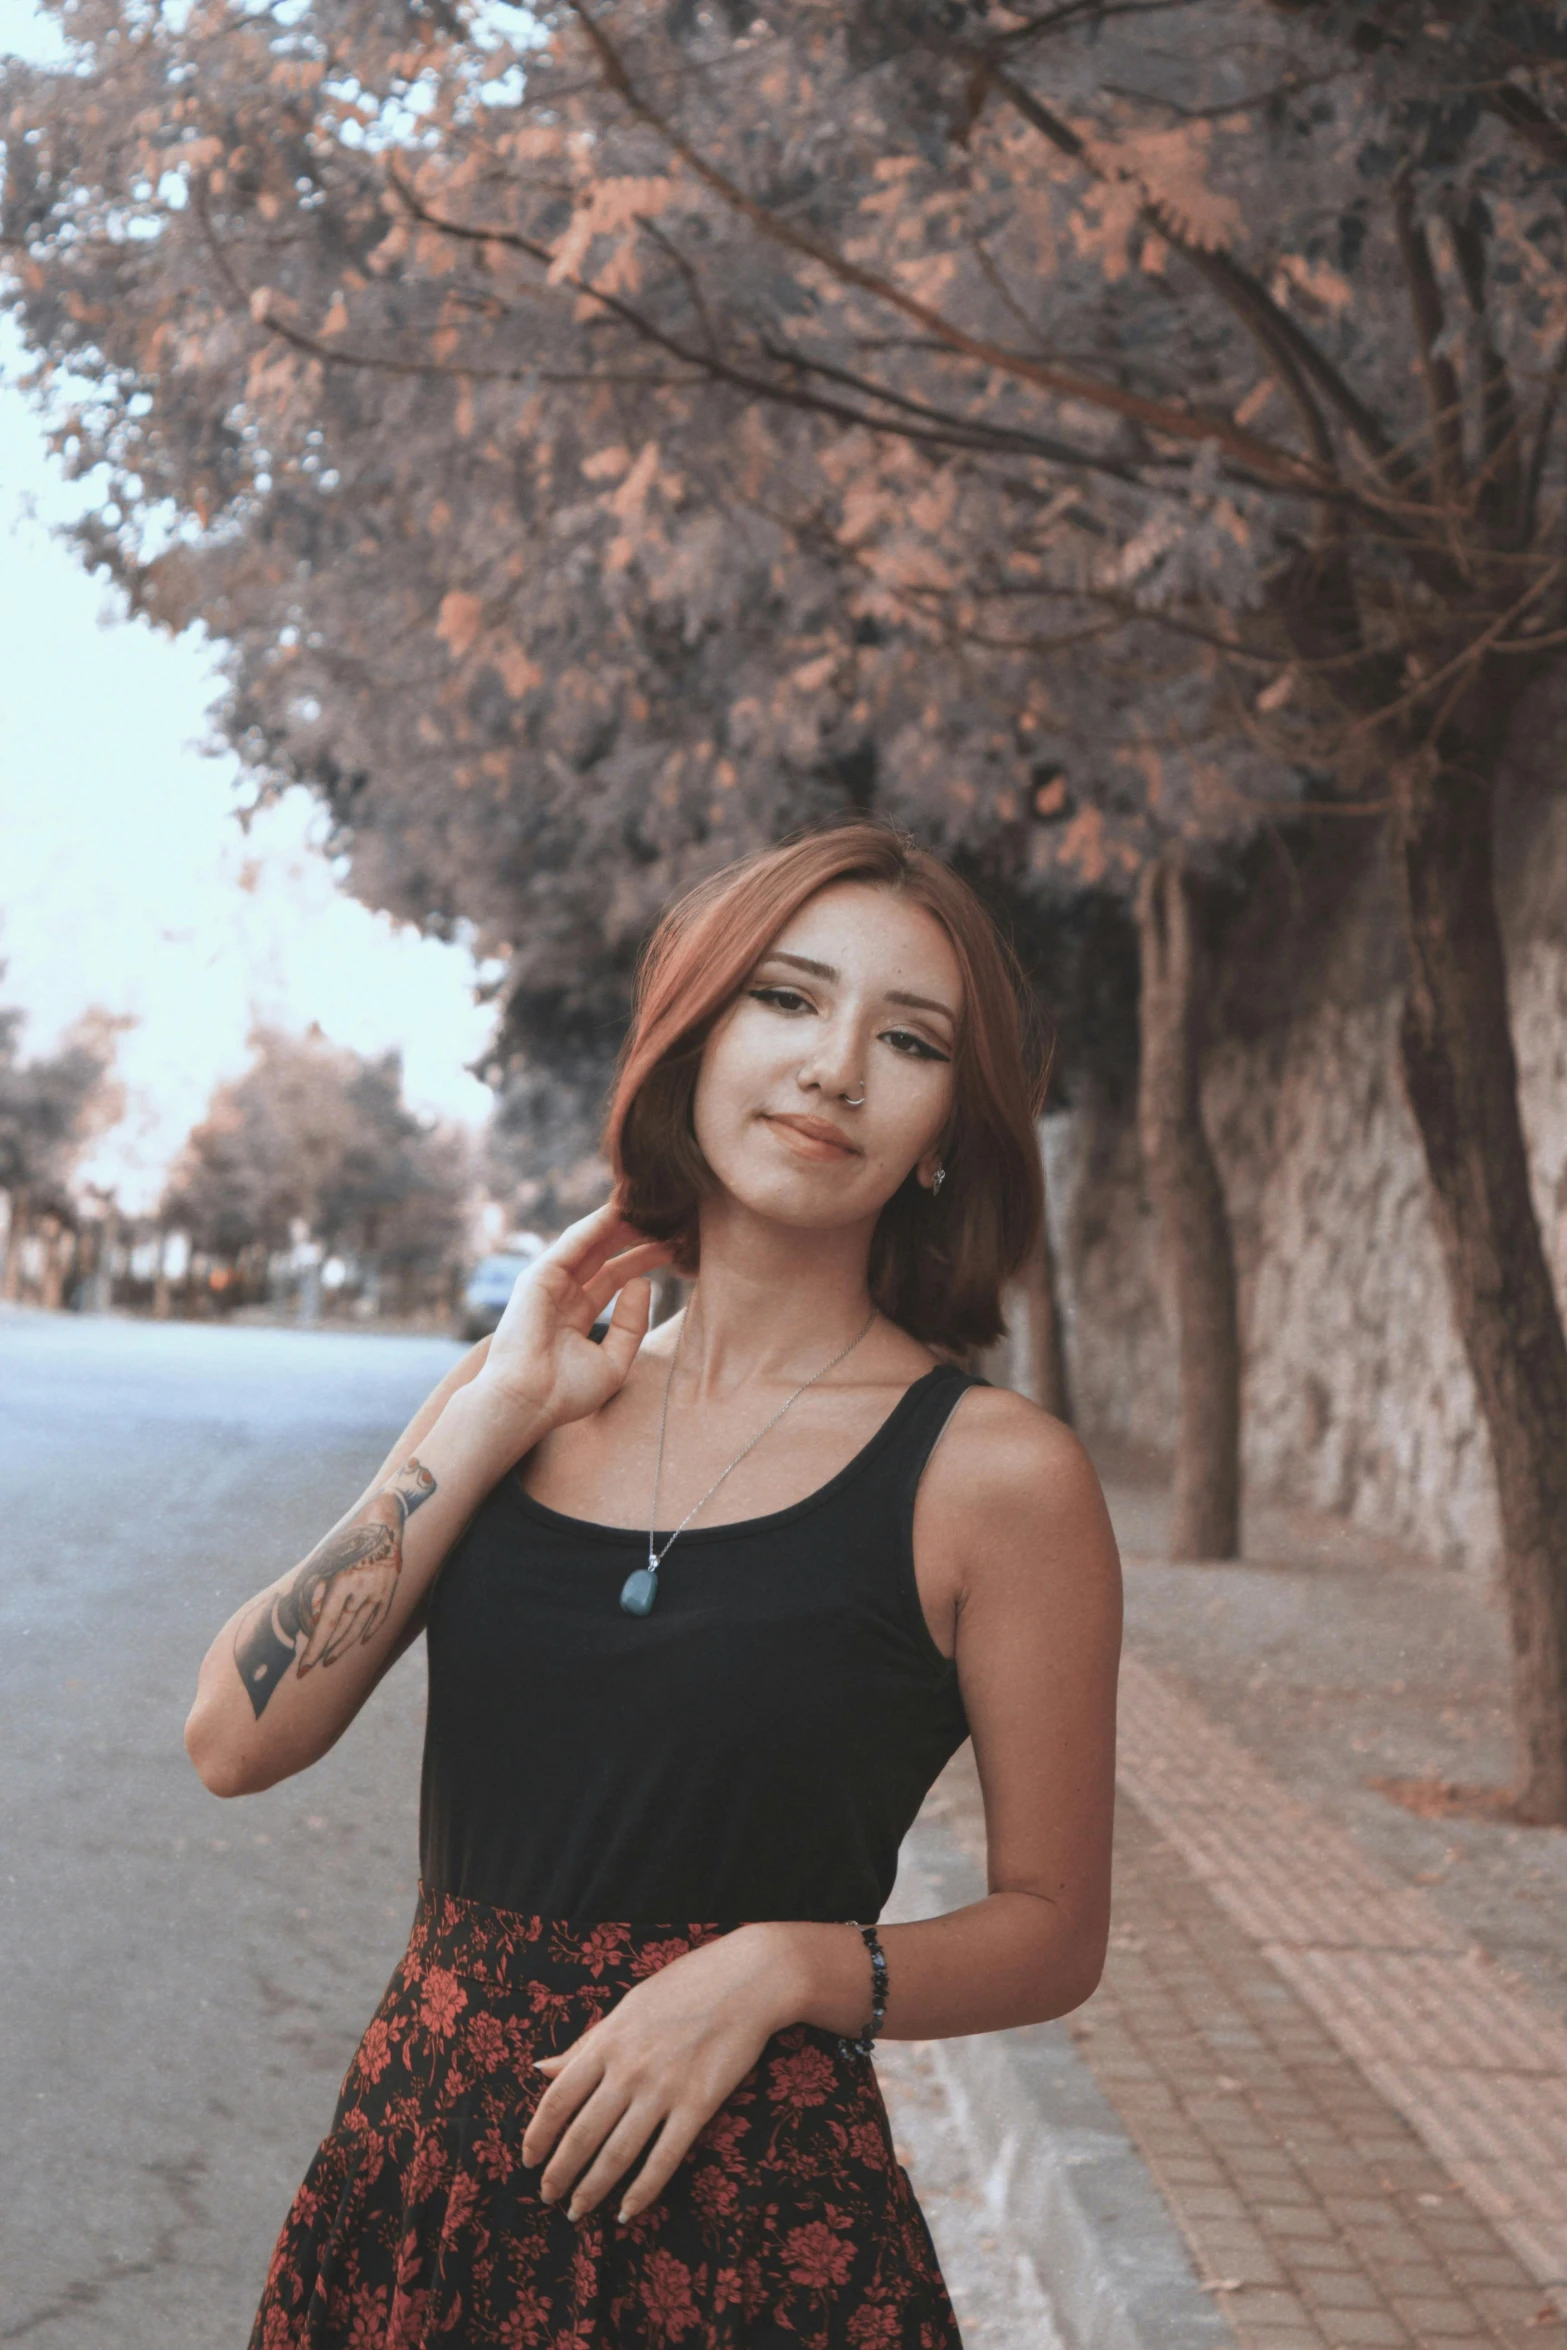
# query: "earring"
{"points": [[937, 1180]]}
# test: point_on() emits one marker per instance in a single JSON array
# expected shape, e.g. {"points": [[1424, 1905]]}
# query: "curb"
{"points": [[1060, 2178]]}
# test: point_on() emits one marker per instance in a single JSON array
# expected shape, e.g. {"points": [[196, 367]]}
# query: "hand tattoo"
{"points": [[339, 1596]]}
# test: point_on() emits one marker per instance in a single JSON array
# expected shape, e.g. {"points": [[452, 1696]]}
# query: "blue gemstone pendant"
{"points": [[639, 1591]]}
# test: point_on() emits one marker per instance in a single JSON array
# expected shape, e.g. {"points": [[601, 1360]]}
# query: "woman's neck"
{"points": [[771, 1301]]}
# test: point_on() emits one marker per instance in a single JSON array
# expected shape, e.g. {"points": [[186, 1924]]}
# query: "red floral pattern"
{"points": [[789, 2226]]}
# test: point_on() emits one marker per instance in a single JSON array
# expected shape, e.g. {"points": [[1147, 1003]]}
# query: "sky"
{"points": [[126, 882]]}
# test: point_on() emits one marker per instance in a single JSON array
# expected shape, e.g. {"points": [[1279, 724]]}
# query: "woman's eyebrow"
{"points": [[802, 963], [922, 1003]]}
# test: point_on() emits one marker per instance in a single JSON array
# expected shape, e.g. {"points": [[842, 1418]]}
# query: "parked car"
{"points": [[489, 1286]]}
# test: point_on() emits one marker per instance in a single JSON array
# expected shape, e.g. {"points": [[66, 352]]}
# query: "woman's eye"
{"points": [[782, 999], [919, 1048]]}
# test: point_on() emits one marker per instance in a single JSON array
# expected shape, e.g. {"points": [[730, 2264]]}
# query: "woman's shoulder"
{"points": [[999, 1440], [1005, 1468]]}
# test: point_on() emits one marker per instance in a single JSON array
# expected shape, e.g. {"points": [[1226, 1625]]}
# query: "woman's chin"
{"points": [[807, 1199]]}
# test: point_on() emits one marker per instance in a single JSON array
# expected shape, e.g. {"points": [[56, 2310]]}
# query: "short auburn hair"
{"points": [[937, 1265]]}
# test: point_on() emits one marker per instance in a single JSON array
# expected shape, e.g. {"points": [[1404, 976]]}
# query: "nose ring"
{"points": [[853, 1101]]}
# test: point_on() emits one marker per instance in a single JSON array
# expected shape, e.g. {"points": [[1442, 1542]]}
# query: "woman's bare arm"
{"points": [[292, 1667], [466, 1368], [1012, 1495]]}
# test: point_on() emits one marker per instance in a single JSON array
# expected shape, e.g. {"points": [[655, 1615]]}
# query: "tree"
{"points": [[540, 1152], [1094, 434], [51, 1107], [1189, 1202], [314, 1136], [542, 678]]}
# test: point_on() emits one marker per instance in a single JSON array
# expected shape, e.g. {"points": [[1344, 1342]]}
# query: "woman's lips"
{"points": [[812, 1138]]}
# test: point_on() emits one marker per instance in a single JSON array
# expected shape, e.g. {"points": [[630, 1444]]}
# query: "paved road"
{"points": [[184, 1980]]}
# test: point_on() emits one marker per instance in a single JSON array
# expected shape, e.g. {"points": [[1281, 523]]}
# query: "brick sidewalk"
{"points": [[1360, 2126], [1474, 2065]]}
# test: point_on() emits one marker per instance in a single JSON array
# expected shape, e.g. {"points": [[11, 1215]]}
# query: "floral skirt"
{"points": [[789, 2225]]}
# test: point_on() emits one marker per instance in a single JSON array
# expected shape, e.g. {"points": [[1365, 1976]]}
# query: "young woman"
{"points": [[618, 2092]]}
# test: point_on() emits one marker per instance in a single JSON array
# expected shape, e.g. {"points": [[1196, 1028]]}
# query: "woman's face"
{"points": [[831, 1074]]}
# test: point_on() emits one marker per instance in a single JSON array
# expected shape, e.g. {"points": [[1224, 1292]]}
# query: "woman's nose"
{"points": [[834, 1065]]}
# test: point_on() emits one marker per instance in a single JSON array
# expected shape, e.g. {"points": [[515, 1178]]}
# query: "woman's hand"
{"points": [[663, 2059], [542, 1361]]}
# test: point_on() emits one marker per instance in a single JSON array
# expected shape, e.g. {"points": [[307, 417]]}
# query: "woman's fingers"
{"points": [[591, 2126], [559, 2101], [614, 2158], [580, 1282], [668, 2150], [583, 1246], [627, 1329], [623, 1268]]}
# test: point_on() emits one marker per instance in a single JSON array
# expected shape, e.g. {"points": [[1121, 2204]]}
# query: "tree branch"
{"points": [[1002, 439], [942, 428], [1072, 12], [961, 435], [1464, 661], [1286, 344], [1501, 430], [1280, 466], [1529, 505], [1425, 302], [1523, 113]]}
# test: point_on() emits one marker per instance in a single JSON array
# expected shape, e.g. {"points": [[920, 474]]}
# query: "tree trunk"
{"points": [[16, 1233], [1194, 1231], [1045, 1349], [99, 1284], [1461, 1078], [56, 1243], [102, 1298]]}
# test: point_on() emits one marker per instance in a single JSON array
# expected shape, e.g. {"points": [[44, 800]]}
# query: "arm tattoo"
{"points": [[281, 1631]]}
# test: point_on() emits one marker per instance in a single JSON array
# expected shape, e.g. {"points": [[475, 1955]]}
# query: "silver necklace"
{"points": [[640, 1588]]}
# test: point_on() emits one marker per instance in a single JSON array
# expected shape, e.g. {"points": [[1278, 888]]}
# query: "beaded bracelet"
{"points": [[863, 2045]]}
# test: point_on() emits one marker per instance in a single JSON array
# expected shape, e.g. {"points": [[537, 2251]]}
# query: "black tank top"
{"points": [[756, 1747]]}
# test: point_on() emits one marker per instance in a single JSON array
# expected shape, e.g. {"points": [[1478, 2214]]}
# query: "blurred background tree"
{"points": [[314, 1146], [51, 1107]]}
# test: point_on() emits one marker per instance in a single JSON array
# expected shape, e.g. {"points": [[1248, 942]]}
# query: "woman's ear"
{"points": [[929, 1168]]}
